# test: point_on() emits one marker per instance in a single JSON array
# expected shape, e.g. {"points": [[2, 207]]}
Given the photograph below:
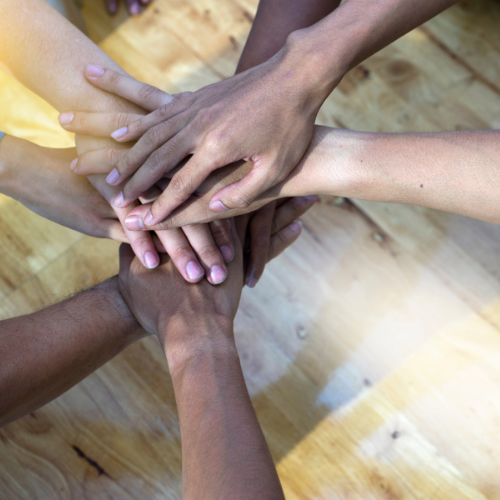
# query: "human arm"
{"points": [[279, 101], [46, 353], [224, 451], [50, 56], [39, 178]]}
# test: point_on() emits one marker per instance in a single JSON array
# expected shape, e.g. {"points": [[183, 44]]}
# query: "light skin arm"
{"points": [[456, 172], [46, 353], [51, 58]]}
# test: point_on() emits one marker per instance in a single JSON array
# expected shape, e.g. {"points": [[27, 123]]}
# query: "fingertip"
{"points": [[194, 271], [94, 70], [151, 260], [73, 164], [66, 118], [227, 253], [118, 135]]}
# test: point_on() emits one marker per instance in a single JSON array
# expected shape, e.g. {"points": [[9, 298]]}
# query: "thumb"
{"points": [[241, 194]]}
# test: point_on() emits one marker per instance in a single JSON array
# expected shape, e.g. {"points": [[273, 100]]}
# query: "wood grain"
{"points": [[371, 348]]}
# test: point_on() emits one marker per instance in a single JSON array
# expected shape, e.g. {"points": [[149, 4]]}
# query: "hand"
{"points": [[160, 297], [210, 124], [133, 6], [40, 179]]}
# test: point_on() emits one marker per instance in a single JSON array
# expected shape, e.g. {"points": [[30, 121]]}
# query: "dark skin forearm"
{"points": [[274, 21], [225, 455], [44, 354]]}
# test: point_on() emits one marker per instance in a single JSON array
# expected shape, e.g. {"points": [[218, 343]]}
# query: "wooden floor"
{"points": [[371, 348]]}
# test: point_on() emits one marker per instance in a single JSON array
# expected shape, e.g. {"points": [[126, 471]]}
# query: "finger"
{"points": [[112, 7], [201, 240], [181, 253], [126, 257], [123, 85], [182, 185], [113, 230], [221, 232], [150, 194], [260, 237], [140, 241], [291, 210], [283, 239], [101, 161], [154, 150], [154, 168], [242, 193], [133, 7], [162, 115], [96, 124]]}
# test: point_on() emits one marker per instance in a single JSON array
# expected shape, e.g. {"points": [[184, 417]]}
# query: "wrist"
{"points": [[187, 342], [115, 301]]}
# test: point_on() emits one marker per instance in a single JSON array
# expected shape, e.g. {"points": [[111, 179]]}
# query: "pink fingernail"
{"points": [[148, 220], [295, 226], [227, 253], [194, 270], [118, 201], [312, 197], [73, 164], [135, 9], [95, 70], [217, 206], [251, 281], [151, 260], [134, 223], [217, 274], [113, 177], [65, 118], [119, 133]]}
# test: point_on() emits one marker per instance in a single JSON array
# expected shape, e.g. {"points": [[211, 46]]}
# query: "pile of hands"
{"points": [[167, 185]]}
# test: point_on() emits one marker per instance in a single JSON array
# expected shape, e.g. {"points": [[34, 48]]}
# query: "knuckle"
{"points": [[178, 186], [180, 252], [83, 119], [154, 162], [147, 92], [112, 156], [114, 77], [152, 137], [164, 112], [122, 119], [209, 253]]}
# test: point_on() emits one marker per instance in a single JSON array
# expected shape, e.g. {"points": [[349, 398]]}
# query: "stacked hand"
{"points": [[106, 161]]}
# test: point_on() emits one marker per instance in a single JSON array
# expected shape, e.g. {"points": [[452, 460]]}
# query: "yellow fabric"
{"points": [[24, 114]]}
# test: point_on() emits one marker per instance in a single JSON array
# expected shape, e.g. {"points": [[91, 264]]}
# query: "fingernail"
{"points": [[194, 270], [217, 275], [113, 177], [112, 7], [119, 133], [148, 220], [312, 197], [227, 253], [295, 226], [217, 206], [118, 201], [135, 9], [94, 70], [65, 118], [251, 281], [134, 223], [151, 260], [73, 164]]}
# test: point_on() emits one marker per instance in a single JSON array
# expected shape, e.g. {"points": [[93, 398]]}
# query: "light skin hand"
{"points": [[39, 178]]}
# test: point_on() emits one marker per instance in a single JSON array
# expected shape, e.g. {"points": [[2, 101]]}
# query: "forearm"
{"points": [[320, 56], [224, 451], [49, 55], [456, 172], [46, 353], [274, 21]]}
